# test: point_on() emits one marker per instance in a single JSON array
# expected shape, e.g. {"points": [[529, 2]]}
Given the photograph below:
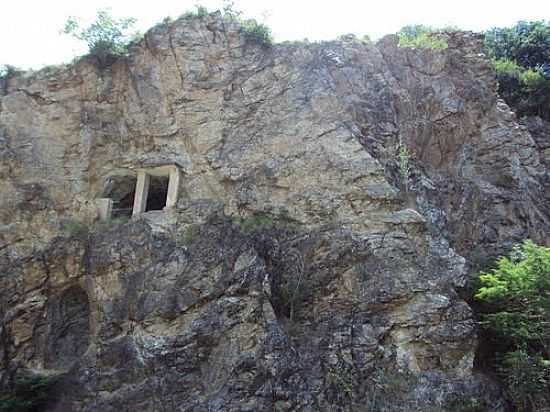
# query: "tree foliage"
{"points": [[105, 37], [521, 58], [526, 43], [7, 70], [516, 295]]}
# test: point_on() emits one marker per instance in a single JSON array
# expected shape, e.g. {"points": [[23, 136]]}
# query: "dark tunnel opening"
{"points": [[158, 191]]}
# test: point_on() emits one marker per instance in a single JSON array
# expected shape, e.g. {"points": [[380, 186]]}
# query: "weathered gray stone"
{"points": [[296, 267]]}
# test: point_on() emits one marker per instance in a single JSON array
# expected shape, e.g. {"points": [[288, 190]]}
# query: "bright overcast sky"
{"points": [[29, 29]]}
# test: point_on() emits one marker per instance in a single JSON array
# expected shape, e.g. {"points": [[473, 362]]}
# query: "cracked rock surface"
{"points": [[298, 266]]}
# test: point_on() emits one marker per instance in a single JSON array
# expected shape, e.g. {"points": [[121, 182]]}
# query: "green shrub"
{"points": [[257, 32], [422, 37], [108, 224], [517, 298], [7, 70], [74, 228], [28, 394], [266, 220], [105, 37], [525, 376], [200, 11], [342, 382], [294, 287], [230, 11], [366, 39], [189, 234], [388, 391], [525, 43], [404, 165], [256, 221], [254, 31], [526, 90], [521, 58], [533, 80], [507, 67]]}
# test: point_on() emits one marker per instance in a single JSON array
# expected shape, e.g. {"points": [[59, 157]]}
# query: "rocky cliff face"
{"points": [[300, 269]]}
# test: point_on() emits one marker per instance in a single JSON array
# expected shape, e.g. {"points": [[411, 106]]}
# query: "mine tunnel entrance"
{"points": [[158, 192], [154, 188], [121, 189]]}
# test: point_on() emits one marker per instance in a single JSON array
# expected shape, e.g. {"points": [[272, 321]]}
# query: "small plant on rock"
{"points": [[266, 220], [230, 11], [189, 234], [421, 37], [74, 228], [103, 225], [295, 285], [200, 11], [404, 166]]}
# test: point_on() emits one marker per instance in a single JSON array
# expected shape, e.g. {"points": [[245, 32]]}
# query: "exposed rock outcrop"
{"points": [[298, 269]]}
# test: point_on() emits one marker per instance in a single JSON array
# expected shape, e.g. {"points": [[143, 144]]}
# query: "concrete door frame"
{"points": [[143, 182]]}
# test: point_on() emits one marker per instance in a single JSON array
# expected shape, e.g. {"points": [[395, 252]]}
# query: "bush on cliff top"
{"points": [[257, 32], [105, 37], [7, 70], [516, 298], [254, 31], [200, 11], [422, 37]]}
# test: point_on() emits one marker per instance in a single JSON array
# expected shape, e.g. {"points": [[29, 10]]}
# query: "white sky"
{"points": [[29, 29]]}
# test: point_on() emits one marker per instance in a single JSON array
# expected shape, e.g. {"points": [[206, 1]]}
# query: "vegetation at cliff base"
{"points": [[27, 394], [516, 312], [521, 58]]}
